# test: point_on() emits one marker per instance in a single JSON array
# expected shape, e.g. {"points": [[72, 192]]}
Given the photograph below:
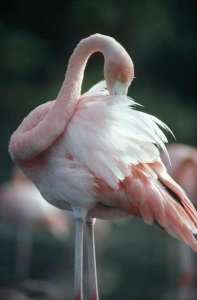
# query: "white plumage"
{"points": [[107, 135]]}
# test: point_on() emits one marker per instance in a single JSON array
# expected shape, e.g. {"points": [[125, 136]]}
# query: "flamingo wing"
{"points": [[107, 135]]}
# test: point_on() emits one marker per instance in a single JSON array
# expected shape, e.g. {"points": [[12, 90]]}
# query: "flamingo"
{"points": [[183, 169], [22, 205], [98, 156]]}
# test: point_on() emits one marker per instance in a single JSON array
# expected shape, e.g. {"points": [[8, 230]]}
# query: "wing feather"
{"points": [[107, 135]]}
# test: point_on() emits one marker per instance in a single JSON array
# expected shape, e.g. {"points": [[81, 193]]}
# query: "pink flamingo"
{"points": [[22, 205], [183, 169], [96, 155]]}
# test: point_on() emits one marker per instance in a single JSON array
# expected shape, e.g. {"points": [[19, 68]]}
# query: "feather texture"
{"points": [[107, 135]]}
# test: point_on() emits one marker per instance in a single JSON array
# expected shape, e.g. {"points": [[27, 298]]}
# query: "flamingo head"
{"points": [[119, 74]]}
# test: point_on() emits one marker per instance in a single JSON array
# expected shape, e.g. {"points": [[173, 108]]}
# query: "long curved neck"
{"points": [[27, 144], [71, 87]]}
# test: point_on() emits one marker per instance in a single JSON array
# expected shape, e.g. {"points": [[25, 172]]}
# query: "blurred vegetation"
{"points": [[36, 41]]}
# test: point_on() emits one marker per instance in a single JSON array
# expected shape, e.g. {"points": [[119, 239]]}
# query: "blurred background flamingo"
{"points": [[183, 168], [22, 206]]}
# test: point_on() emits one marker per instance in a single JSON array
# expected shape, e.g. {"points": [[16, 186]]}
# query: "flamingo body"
{"points": [[99, 161], [70, 170]]}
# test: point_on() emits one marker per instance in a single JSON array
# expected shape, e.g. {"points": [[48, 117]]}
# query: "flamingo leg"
{"points": [[24, 253], [93, 286], [78, 279]]}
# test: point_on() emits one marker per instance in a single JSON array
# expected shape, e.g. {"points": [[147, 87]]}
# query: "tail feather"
{"points": [[152, 196], [150, 193], [179, 225], [167, 180]]}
